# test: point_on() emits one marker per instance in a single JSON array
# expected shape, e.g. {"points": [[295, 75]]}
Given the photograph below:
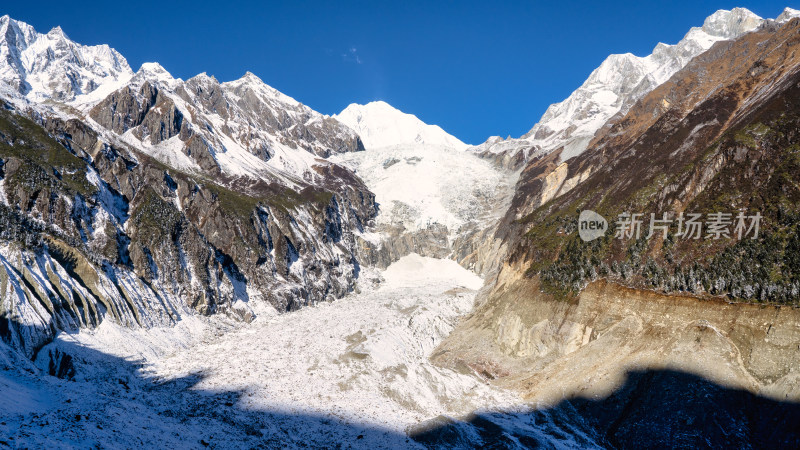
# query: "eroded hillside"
{"points": [[613, 326]]}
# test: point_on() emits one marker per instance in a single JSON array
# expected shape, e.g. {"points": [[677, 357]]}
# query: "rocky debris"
{"points": [[396, 242]]}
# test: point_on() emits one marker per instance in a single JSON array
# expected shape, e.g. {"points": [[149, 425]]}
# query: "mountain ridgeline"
{"points": [[719, 136], [140, 198]]}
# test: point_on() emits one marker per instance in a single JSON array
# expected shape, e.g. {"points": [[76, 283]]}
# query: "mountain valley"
{"points": [[195, 263]]}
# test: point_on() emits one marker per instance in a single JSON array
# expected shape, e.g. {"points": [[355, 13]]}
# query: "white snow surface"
{"points": [[417, 185], [366, 353], [380, 125], [420, 175], [318, 377], [787, 15]]}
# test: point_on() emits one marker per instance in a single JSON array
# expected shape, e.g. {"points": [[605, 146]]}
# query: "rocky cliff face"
{"points": [[637, 368], [718, 137], [153, 243], [601, 324], [153, 198]]}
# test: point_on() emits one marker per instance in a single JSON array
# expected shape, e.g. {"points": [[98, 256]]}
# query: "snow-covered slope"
{"points": [[43, 66], [381, 125], [615, 86], [420, 175], [419, 185]]}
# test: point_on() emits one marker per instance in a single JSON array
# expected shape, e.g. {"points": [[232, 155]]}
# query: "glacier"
{"points": [[353, 372]]}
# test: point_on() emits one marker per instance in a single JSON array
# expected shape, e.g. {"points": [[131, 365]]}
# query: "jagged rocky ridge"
{"points": [[613, 88], [164, 197]]}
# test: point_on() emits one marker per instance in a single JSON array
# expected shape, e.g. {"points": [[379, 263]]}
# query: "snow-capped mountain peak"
{"points": [[10, 28], [57, 32], [622, 79], [155, 73], [51, 66], [615, 86], [154, 68], [381, 125], [728, 24], [252, 82], [787, 15]]}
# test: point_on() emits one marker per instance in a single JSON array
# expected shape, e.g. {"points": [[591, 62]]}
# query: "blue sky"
{"points": [[475, 68]]}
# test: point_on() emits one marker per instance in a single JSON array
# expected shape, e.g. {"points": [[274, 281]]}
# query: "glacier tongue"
{"points": [[369, 363], [352, 371]]}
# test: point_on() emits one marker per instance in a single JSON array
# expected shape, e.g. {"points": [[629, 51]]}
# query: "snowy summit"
{"points": [[381, 125]]}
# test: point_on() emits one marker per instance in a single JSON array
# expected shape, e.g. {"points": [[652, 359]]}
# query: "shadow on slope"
{"points": [[104, 401], [73, 396], [652, 409]]}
